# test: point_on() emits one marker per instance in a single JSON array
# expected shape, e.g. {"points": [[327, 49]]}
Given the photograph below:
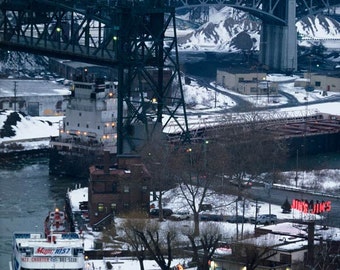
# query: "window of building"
{"points": [[113, 206], [98, 127], [285, 258], [126, 205], [253, 89], [241, 79], [126, 189], [80, 114], [100, 207], [317, 83], [67, 123], [78, 125], [87, 125], [114, 187], [144, 188]]}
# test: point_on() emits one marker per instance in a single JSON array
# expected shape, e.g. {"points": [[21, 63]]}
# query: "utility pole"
{"points": [[15, 96]]}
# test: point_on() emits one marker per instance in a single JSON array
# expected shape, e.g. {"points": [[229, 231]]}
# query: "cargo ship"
{"points": [[88, 129]]}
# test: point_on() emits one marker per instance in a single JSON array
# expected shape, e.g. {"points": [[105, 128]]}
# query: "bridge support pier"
{"points": [[278, 46]]}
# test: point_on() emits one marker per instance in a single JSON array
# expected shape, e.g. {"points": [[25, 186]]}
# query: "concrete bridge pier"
{"points": [[278, 45]]}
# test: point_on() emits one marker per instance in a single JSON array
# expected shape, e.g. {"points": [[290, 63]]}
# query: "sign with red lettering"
{"points": [[42, 251], [311, 207]]}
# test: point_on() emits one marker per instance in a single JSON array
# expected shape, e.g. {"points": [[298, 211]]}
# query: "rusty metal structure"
{"points": [[136, 38]]}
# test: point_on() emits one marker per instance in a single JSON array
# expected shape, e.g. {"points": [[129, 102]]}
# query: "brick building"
{"points": [[114, 190]]}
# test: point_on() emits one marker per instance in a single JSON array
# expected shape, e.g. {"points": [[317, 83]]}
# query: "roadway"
{"points": [[278, 195]]}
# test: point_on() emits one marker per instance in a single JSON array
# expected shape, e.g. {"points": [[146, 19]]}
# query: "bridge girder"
{"points": [[138, 40]]}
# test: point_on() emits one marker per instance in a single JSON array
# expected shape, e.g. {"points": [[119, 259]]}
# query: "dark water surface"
{"points": [[27, 193]]}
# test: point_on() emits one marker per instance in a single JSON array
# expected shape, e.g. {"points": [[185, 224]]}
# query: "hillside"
{"points": [[233, 30]]}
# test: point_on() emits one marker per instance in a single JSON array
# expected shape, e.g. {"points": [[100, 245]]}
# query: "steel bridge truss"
{"points": [[136, 38]]}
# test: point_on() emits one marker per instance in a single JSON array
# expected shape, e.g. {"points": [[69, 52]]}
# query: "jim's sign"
{"points": [[312, 207]]}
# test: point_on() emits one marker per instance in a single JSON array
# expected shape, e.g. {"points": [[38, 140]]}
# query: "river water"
{"points": [[27, 193]]}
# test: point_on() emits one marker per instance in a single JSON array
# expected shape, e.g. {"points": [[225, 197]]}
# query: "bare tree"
{"points": [[326, 256], [196, 169], [207, 242], [250, 149], [252, 255], [132, 223], [157, 155], [158, 243]]}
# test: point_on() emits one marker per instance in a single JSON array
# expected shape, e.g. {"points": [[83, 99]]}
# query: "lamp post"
{"points": [[297, 165]]}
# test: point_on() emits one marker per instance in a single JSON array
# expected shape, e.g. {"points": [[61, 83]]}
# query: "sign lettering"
{"points": [[48, 259], [311, 206], [41, 251]]}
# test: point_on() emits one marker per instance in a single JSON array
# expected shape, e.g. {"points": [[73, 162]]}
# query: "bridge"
{"points": [[135, 38], [138, 38], [278, 45]]}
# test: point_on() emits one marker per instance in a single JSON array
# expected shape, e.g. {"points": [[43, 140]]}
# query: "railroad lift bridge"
{"points": [[138, 38]]}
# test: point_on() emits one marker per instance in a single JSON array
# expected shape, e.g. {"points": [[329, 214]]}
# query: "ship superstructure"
{"points": [[88, 129], [57, 251]]}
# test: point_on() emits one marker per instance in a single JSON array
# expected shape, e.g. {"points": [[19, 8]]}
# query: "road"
{"points": [[277, 196]]}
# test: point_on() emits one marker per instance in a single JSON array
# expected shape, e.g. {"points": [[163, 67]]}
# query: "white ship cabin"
{"points": [[60, 251], [91, 116]]}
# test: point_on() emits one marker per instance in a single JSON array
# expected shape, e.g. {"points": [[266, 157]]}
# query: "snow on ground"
{"points": [[222, 204], [200, 98], [197, 97]]}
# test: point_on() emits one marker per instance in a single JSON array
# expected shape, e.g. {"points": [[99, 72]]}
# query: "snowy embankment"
{"points": [[19, 132]]}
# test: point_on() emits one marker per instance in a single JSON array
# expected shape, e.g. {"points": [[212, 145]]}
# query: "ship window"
{"points": [[100, 207]]}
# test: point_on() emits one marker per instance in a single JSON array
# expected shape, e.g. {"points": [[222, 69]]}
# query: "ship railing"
{"points": [[73, 145]]}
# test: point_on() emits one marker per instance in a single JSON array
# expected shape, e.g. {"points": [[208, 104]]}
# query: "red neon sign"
{"points": [[311, 206]]}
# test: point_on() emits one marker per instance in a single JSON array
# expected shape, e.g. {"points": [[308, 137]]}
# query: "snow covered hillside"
{"points": [[233, 30]]}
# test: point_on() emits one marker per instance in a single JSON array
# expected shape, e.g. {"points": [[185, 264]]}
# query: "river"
{"points": [[27, 193]]}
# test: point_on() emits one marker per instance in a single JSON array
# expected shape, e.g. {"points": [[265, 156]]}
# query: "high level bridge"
{"points": [[139, 39], [278, 45]]}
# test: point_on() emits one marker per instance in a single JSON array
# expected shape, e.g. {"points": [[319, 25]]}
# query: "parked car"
{"points": [[166, 212], [241, 184], [206, 207], [181, 215], [237, 219], [265, 219], [211, 217]]}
